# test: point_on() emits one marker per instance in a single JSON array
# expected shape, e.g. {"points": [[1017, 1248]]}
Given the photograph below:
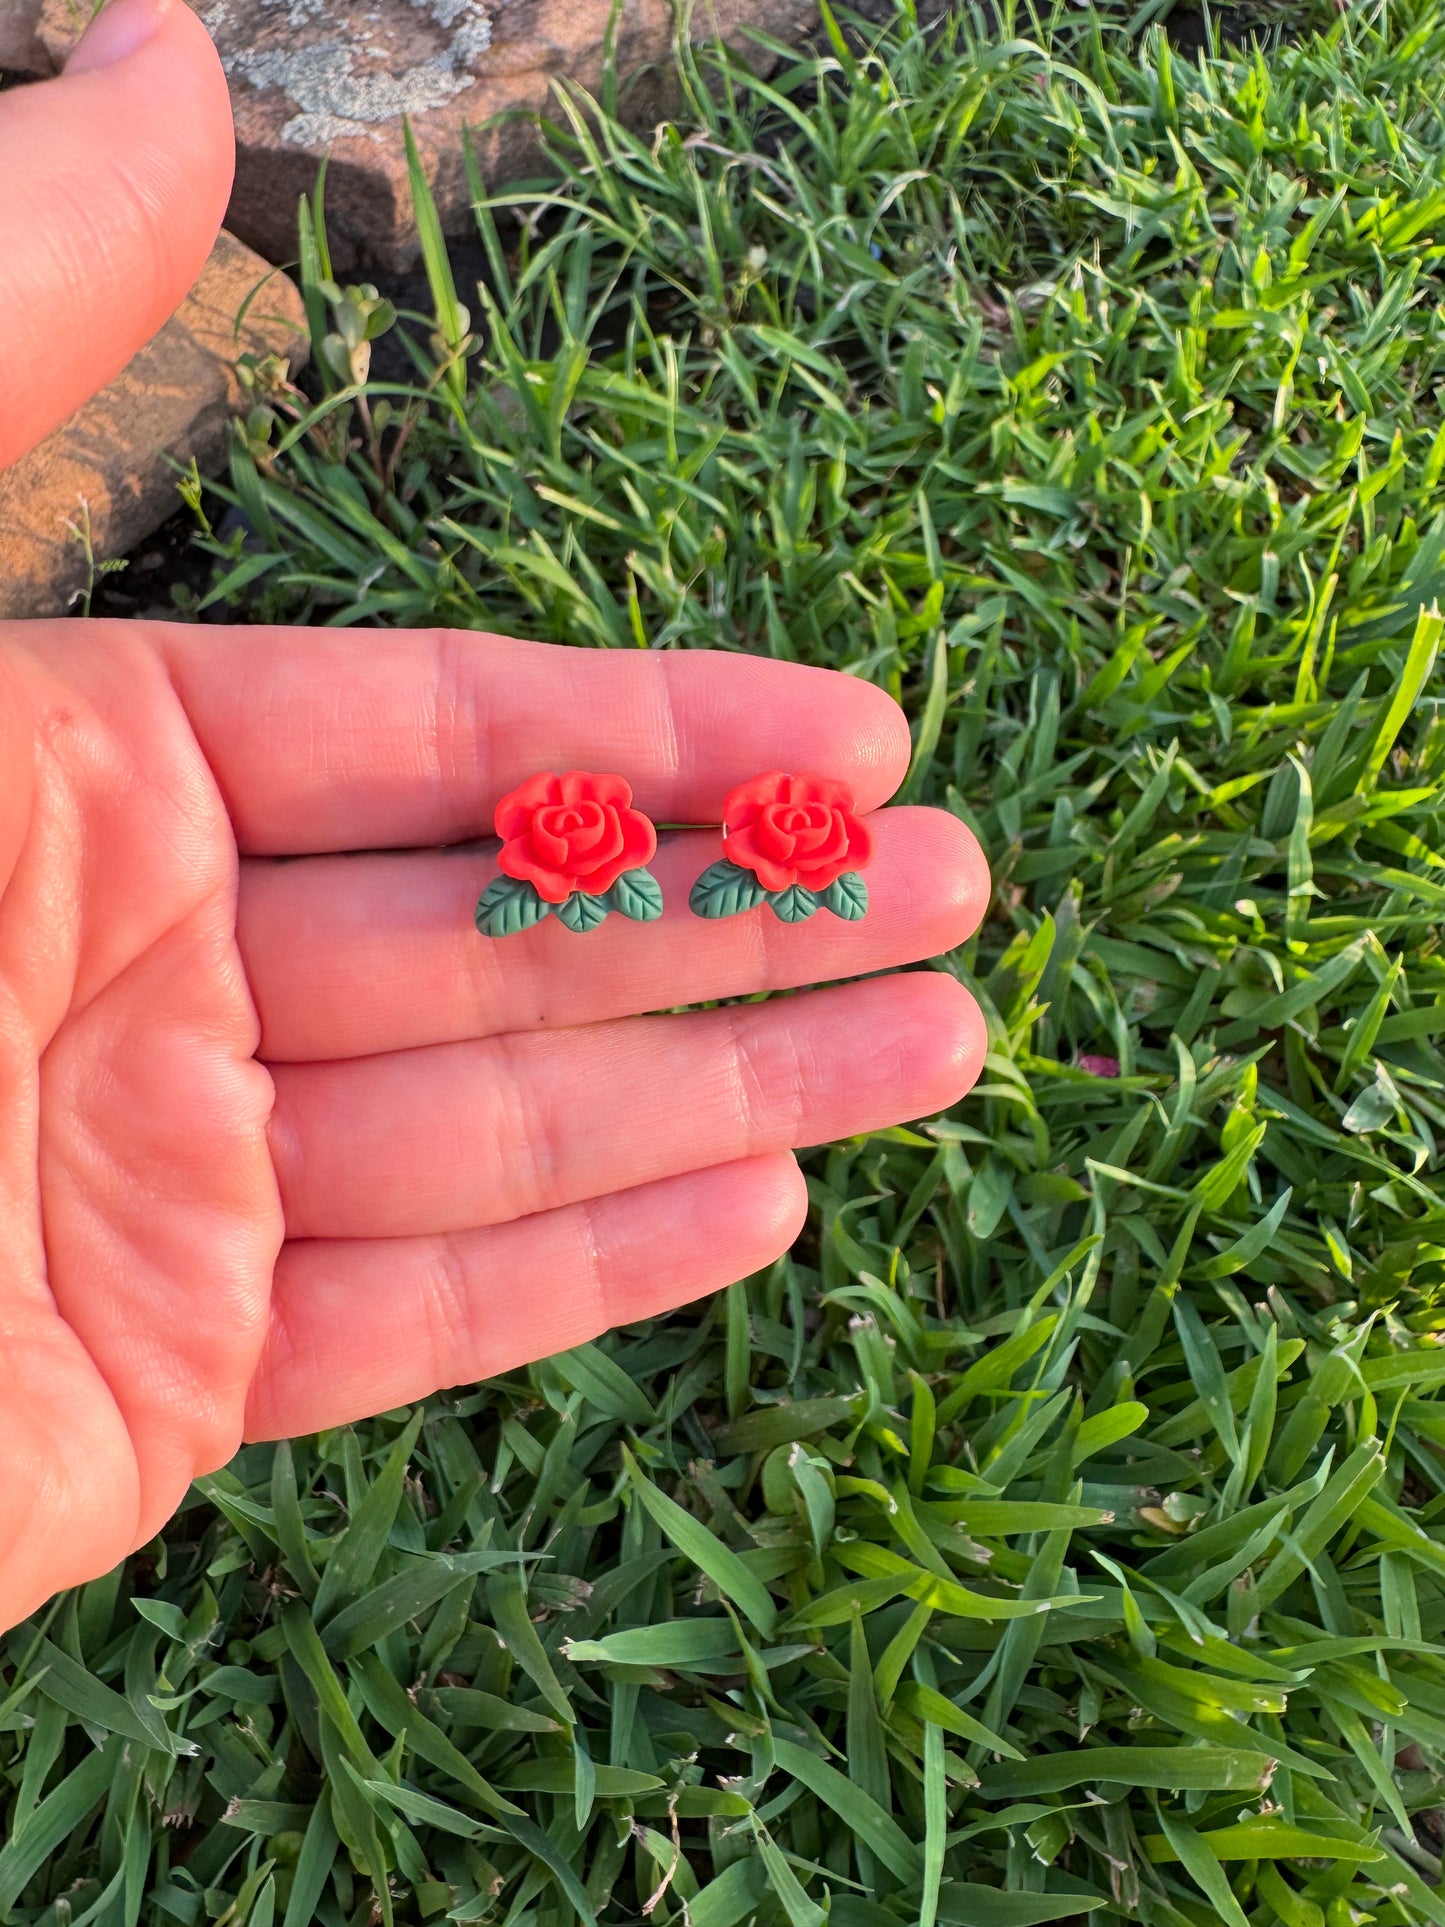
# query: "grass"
{"points": [[1059, 1532]]}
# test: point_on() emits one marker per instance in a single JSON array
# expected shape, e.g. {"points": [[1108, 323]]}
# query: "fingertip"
{"points": [[723, 1223], [950, 1035], [952, 873], [116, 32], [885, 739], [783, 1205], [123, 163]]}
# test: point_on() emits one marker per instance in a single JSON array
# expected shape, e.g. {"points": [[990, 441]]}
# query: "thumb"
{"points": [[116, 177]]}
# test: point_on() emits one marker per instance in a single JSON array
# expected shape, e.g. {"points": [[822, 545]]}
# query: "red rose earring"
{"points": [[573, 847], [793, 843]]}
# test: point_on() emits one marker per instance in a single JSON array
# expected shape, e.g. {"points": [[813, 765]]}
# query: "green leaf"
{"points": [[867, 1745], [604, 1384], [555, 1776], [835, 1608], [962, 1903], [1377, 1105], [465, 1706], [637, 894], [507, 905], [313, 1867], [1177, 1768], [58, 1816], [944, 1595], [795, 905], [784, 1884], [724, 889], [265, 1816], [861, 1815], [678, 1642], [996, 1368], [1267, 1839], [927, 1703], [89, 1699], [1107, 1428], [451, 317], [1201, 1863], [351, 1569], [930, 721], [397, 1713], [581, 912], [1006, 1518], [306, 1649], [426, 1811], [935, 1823], [769, 1426], [1338, 1502], [706, 1551], [376, 1614], [847, 897], [530, 1836], [1206, 1373], [508, 1604], [1312, 990], [1405, 692], [732, 1897], [1247, 1248]]}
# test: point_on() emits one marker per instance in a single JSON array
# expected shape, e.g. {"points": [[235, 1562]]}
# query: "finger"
{"points": [[350, 955], [116, 177], [479, 1133], [319, 744], [360, 1326]]}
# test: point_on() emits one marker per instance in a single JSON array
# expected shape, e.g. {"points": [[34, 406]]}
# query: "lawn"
{"points": [[1058, 1533]]}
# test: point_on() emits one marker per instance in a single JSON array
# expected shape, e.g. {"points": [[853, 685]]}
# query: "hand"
{"points": [[285, 1140]]}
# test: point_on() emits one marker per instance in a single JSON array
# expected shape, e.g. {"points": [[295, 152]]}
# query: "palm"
{"points": [[143, 1217], [199, 1243]]}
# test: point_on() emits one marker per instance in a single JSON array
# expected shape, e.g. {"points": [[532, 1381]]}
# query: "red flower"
{"points": [[572, 832], [1097, 1066], [794, 829]]}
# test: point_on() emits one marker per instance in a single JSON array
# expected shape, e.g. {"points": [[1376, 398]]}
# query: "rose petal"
{"points": [[639, 838], [584, 786], [550, 846], [827, 843], [809, 788], [819, 876], [560, 819], [517, 808], [636, 844], [744, 804], [594, 829], [519, 859], [770, 836], [740, 846], [595, 843], [860, 842]]}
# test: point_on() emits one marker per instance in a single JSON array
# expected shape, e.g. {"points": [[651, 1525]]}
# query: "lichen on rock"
{"points": [[332, 82]]}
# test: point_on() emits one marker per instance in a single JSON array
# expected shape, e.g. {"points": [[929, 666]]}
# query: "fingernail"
{"points": [[116, 33]]}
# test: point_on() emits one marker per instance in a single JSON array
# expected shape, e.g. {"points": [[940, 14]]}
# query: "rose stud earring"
{"points": [[793, 843], [573, 847]]}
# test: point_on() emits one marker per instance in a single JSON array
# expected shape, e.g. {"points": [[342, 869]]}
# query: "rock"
{"points": [[22, 50], [312, 77], [173, 400]]}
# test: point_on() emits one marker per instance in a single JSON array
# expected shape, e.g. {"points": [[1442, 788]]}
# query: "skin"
{"points": [[285, 1141]]}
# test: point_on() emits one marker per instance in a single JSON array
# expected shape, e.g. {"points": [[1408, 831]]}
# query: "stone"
{"points": [[171, 403], [317, 77], [22, 49]]}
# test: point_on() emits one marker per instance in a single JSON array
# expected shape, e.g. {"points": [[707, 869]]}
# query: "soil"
{"points": [[142, 589]]}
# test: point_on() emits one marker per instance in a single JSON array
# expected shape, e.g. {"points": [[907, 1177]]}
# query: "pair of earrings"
{"points": [[575, 848]]}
